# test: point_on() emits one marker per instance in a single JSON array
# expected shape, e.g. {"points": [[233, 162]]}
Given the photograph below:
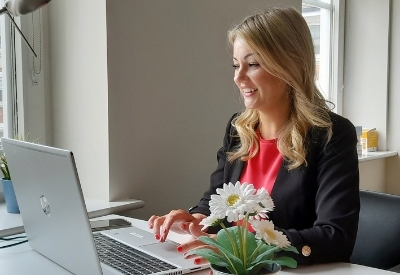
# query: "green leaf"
{"points": [[286, 261], [226, 236], [291, 249], [216, 244], [226, 256], [267, 253], [264, 247], [210, 255], [251, 243], [225, 252], [248, 240]]}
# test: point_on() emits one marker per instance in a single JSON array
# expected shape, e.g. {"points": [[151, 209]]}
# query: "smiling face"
{"points": [[260, 90]]}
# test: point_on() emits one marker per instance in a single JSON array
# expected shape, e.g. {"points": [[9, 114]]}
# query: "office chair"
{"points": [[378, 239]]}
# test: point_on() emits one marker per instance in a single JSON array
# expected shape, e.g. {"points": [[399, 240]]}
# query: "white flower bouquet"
{"points": [[237, 249]]}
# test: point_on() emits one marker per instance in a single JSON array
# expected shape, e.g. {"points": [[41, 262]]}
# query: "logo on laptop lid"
{"points": [[45, 205]]}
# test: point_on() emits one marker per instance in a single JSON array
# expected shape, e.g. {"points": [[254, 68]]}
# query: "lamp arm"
{"points": [[4, 10]]}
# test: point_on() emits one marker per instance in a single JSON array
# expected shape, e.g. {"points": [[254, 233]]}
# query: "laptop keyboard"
{"points": [[126, 259]]}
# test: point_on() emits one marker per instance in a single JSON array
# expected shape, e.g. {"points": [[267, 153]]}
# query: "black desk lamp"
{"points": [[21, 7]]}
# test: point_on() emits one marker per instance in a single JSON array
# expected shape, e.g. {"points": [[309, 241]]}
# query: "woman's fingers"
{"points": [[194, 244], [151, 221], [197, 260], [183, 228], [200, 260], [155, 223], [195, 229], [178, 219], [185, 247]]}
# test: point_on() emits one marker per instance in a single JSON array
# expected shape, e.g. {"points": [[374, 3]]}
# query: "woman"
{"points": [[287, 141]]}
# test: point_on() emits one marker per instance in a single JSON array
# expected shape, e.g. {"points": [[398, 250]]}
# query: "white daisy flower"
{"points": [[265, 204], [257, 213], [266, 201], [265, 231], [233, 201], [211, 220]]}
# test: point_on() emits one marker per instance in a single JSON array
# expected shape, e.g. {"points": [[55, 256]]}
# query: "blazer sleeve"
{"points": [[222, 173], [333, 172]]}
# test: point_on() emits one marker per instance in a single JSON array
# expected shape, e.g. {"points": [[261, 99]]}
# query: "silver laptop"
{"points": [[56, 222]]}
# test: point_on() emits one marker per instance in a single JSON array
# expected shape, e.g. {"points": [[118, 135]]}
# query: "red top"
{"points": [[262, 169]]}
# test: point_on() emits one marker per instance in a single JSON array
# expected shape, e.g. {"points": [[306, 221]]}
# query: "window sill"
{"points": [[376, 155]]}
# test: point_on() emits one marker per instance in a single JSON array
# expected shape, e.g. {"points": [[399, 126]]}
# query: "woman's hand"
{"points": [[194, 244], [182, 222], [179, 221]]}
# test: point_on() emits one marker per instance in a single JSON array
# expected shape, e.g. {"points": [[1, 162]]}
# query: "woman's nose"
{"points": [[240, 75]]}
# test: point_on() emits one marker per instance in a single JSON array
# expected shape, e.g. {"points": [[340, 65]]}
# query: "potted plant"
{"points": [[237, 250], [8, 189]]}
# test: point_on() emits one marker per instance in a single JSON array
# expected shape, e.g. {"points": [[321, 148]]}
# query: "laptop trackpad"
{"points": [[166, 250]]}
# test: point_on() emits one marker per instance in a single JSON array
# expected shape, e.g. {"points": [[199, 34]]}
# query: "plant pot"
{"points": [[271, 269], [9, 196]]}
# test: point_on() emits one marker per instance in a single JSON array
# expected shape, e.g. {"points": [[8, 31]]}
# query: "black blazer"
{"points": [[317, 205]]}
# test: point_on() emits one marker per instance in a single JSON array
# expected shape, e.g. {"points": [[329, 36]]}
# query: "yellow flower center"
{"points": [[270, 233], [232, 199]]}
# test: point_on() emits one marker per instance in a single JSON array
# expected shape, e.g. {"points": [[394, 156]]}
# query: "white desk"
{"points": [[22, 260], [11, 224]]}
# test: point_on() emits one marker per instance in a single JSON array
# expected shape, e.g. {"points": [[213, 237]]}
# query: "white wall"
{"points": [[393, 164], [372, 175], [171, 94], [372, 67], [79, 85], [142, 91], [370, 91], [366, 65]]}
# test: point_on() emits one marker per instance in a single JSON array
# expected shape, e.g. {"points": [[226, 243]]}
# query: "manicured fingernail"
{"points": [[184, 226], [157, 237], [151, 226], [165, 230], [179, 248], [197, 261]]}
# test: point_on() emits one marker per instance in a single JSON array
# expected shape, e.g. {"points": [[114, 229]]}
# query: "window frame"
{"points": [[7, 37], [333, 85], [7, 40]]}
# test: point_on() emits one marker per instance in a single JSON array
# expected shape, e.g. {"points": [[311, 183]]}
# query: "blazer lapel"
{"points": [[235, 171]]}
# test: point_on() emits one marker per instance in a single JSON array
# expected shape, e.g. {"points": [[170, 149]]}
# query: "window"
{"points": [[1, 100], [5, 31], [1, 87], [325, 20]]}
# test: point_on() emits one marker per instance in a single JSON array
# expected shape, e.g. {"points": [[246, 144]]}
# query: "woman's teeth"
{"points": [[248, 91]]}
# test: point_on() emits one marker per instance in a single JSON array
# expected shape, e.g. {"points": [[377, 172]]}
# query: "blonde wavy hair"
{"points": [[282, 43]]}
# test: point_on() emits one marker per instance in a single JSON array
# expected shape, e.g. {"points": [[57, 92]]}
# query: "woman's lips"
{"points": [[248, 92]]}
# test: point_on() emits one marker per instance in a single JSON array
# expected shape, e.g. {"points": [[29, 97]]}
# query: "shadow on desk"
{"points": [[335, 269], [395, 269], [323, 268]]}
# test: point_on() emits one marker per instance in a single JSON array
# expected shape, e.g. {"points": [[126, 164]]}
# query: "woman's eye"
{"points": [[254, 64], [235, 66]]}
